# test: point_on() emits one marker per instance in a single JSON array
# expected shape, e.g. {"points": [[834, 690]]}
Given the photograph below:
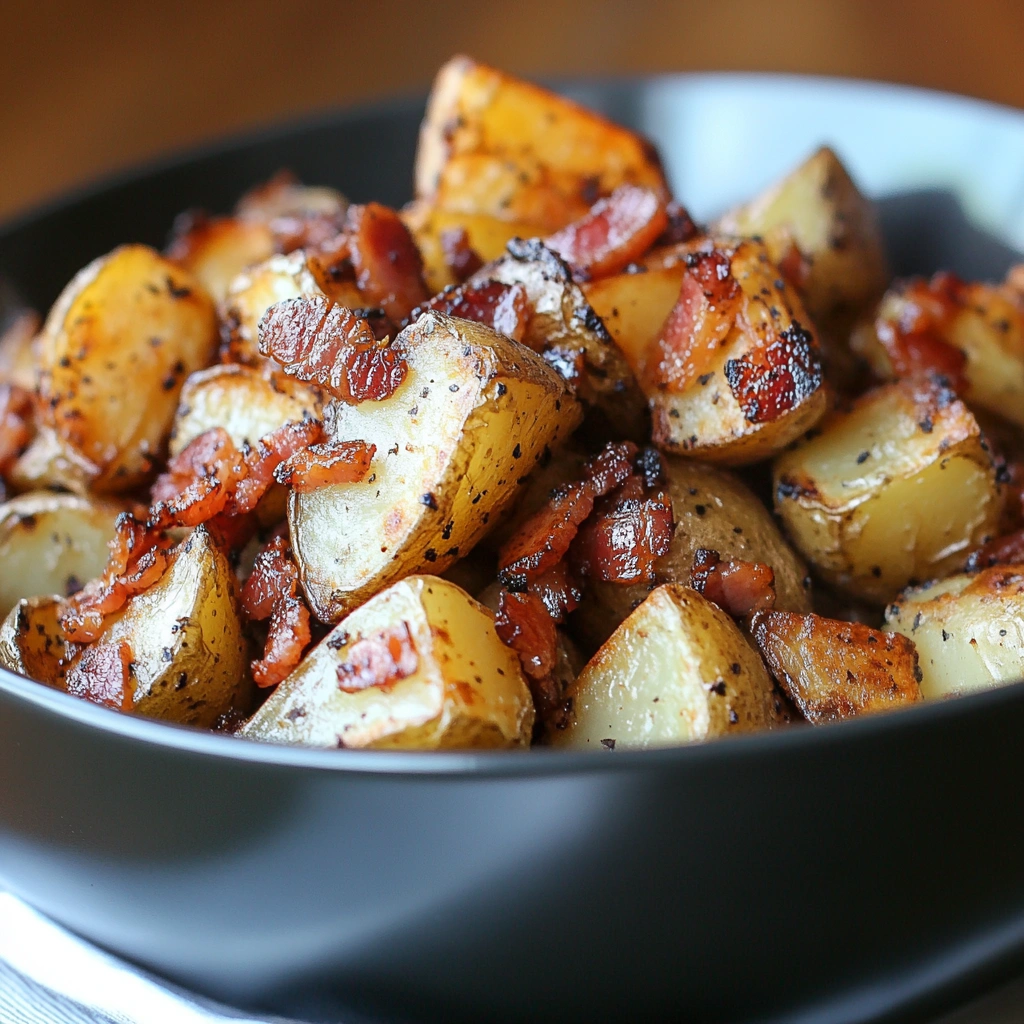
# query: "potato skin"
{"points": [[968, 630], [712, 509], [677, 670], [473, 416], [900, 487], [463, 688], [833, 670], [112, 356], [32, 642]]}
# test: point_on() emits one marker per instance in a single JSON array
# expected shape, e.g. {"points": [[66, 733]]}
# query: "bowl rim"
{"points": [[537, 761]]}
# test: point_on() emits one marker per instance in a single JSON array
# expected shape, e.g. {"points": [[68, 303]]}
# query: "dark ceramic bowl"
{"points": [[866, 871]]}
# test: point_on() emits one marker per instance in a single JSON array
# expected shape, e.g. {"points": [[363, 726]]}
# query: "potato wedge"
{"points": [[49, 462], [473, 416], [712, 509], [189, 652], [899, 488], [32, 642], [818, 211], [244, 402], [418, 667], [984, 322], [492, 144], [677, 670], [112, 356], [734, 381], [216, 250], [968, 630], [52, 544], [833, 670], [563, 325]]}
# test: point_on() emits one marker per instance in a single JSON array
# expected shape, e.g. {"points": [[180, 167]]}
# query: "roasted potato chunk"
{"points": [[32, 642], [112, 356], [677, 670], [492, 144], [564, 326], [417, 667], [832, 670], [712, 509], [968, 630], [472, 417], [52, 544], [818, 217], [216, 250], [978, 325], [17, 365], [189, 654], [900, 487]]}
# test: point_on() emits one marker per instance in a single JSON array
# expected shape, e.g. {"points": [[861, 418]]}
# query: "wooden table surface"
{"points": [[90, 87]]}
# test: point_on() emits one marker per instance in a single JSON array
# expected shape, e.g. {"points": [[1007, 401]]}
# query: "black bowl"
{"points": [[866, 871]]}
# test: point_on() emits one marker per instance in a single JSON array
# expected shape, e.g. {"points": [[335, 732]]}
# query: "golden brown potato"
{"points": [[216, 250], [473, 416], [52, 544], [563, 325], [712, 509], [17, 365], [817, 214], [983, 322], [492, 144], [50, 462], [968, 630], [113, 354], [189, 654], [417, 667], [677, 670], [901, 487], [832, 670], [32, 642]]}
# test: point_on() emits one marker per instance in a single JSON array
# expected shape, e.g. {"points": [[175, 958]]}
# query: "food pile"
{"points": [[535, 459]]}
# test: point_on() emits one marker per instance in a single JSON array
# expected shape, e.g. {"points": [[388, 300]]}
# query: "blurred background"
{"points": [[91, 87]]}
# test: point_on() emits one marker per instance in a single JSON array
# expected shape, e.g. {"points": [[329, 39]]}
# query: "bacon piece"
{"points": [[137, 560], [380, 660], [1005, 550], [617, 231], [103, 675], [272, 592], [524, 624], [298, 217], [697, 325], [320, 465], [387, 262], [680, 227], [769, 382], [558, 590], [738, 588], [505, 307], [16, 408], [331, 347], [621, 544], [262, 460], [461, 259]]}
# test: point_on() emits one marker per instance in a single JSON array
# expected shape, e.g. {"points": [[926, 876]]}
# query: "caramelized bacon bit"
{"points": [[680, 227], [559, 591], [622, 544], [137, 560], [329, 346], [1006, 550], [103, 675], [524, 624], [738, 588], [298, 217], [262, 460], [461, 259], [699, 322], [16, 408], [272, 592], [505, 307], [380, 660], [320, 465], [617, 231], [387, 262]]}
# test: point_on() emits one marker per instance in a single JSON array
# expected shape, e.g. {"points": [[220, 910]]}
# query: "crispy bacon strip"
{"points": [[621, 544], [103, 675], [617, 231], [462, 260], [320, 465], [262, 460], [272, 592], [16, 407], [699, 322], [380, 660], [524, 624], [738, 588], [505, 307], [138, 558], [331, 347], [769, 382]]}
